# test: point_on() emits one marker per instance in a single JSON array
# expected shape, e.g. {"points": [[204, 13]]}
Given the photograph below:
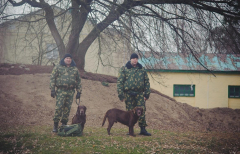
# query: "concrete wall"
{"points": [[108, 58], [26, 42]]}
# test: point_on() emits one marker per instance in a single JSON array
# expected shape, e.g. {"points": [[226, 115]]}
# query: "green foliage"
{"points": [[105, 84], [95, 140]]}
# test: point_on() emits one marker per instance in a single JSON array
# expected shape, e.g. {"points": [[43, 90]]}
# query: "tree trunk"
{"points": [[79, 18], [52, 26], [79, 57]]}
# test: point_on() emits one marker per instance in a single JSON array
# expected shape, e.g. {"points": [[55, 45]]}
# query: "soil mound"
{"points": [[25, 100]]}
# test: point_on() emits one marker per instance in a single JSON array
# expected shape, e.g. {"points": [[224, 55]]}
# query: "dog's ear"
{"points": [[78, 111]]}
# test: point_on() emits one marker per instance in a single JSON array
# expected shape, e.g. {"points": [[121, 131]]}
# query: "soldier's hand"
{"points": [[145, 98], [122, 100], [78, 95], [53, 93]]}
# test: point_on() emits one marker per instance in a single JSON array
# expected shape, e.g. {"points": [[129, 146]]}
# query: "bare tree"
{"points": [[186, 21], [226, 39]]}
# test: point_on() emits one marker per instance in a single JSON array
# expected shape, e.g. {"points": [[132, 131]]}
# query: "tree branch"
{"points": [[79, 17], [33, 3], [52, 26]]}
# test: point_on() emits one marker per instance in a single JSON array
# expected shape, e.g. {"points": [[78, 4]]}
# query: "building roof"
{"points": [[190, 62]]}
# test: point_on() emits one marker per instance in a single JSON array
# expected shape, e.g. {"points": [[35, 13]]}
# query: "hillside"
{"points": [[25, 100]]}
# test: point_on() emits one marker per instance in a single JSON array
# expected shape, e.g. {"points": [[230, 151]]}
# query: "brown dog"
{"points": [[128, 118], [80, 116]]}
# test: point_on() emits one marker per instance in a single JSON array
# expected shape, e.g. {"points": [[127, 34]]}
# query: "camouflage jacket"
{"points": [[133, 79], [66, 77]]}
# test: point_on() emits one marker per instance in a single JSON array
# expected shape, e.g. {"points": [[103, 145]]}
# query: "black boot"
{"points": [[55, 127], [144, 131]]}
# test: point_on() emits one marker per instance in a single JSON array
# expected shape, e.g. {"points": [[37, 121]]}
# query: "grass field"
{"points": [[95, 140]]}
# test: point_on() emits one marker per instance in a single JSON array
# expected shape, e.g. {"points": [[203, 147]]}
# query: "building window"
{"points": [[233, 91], [52, 51], [184, 90]]}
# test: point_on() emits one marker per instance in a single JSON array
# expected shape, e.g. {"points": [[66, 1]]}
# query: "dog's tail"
{"points": [[104, 119]]}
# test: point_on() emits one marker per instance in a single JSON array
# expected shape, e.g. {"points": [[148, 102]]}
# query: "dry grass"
{"points": [[95, 140]]}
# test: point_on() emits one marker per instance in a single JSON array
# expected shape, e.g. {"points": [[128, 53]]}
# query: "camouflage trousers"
{"points": [[133, 101], [64, 101]]}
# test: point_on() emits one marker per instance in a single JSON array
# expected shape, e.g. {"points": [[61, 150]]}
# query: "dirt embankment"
{"points": [[25, 100]]}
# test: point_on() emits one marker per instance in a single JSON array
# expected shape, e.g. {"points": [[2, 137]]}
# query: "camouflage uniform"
{"points": [[66, 79], [133, 85]]}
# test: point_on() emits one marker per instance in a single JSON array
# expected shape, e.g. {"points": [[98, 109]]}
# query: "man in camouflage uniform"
{"points": [[65, 77], [133, 86]]}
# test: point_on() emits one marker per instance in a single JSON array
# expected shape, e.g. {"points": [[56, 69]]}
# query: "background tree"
{"points": [[149, 25]]}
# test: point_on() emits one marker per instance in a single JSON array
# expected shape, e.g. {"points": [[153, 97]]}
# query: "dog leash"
{"points": [[145, 106], [78, 102]]}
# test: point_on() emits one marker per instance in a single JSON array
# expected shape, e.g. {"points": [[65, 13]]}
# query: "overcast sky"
{"points": [[10, 12]]}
